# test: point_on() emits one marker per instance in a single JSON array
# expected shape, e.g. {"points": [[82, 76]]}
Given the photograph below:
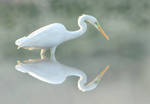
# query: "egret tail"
{"points": [[21, 41]]}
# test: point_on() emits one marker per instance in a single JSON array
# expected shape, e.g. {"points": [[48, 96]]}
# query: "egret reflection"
{"points": [[53, 72]]}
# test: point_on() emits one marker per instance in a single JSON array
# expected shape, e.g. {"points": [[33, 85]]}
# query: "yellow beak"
{"points": [[102, 31], [102, 73]]}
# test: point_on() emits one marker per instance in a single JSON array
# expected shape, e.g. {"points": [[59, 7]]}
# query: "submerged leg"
{"points": [[53, 53], [43, 53]]}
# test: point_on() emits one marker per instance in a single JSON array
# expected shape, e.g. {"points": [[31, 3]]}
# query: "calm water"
{"points": [[128, 52]]}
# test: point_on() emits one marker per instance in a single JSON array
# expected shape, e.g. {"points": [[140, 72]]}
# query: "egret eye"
{"points": [[96, 23]]}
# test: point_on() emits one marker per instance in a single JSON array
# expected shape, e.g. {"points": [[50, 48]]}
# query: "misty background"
{"points": [[128, 51]]}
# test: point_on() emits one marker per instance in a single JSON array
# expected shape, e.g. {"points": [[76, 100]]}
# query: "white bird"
{"points": [[52, 35], [53, 72]]}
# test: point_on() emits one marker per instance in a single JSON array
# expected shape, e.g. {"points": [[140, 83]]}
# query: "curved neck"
{"points": [[81, 31], [83, 80], [86, 87], [82, 25]]}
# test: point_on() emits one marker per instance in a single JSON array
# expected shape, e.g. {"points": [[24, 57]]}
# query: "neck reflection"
{"points": [[53, 72]]}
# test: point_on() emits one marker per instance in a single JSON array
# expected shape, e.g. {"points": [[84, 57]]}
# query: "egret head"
{"points": [[92, 20]]}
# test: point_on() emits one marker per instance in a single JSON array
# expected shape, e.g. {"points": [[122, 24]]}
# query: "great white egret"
{"points": [[52, 35], [53, 72]]}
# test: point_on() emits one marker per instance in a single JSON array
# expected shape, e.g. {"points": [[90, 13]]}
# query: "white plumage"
{"points": [[45, 37], [53, 72], [54, 34]]}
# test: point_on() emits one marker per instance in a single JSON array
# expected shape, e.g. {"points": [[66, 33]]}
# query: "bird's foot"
{"points": [[43, 51], [43, 57], [19, 47], [18, 61]]}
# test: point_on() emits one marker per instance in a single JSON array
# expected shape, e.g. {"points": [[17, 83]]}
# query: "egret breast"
{"points": [[45, 37], [47, 72]]}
